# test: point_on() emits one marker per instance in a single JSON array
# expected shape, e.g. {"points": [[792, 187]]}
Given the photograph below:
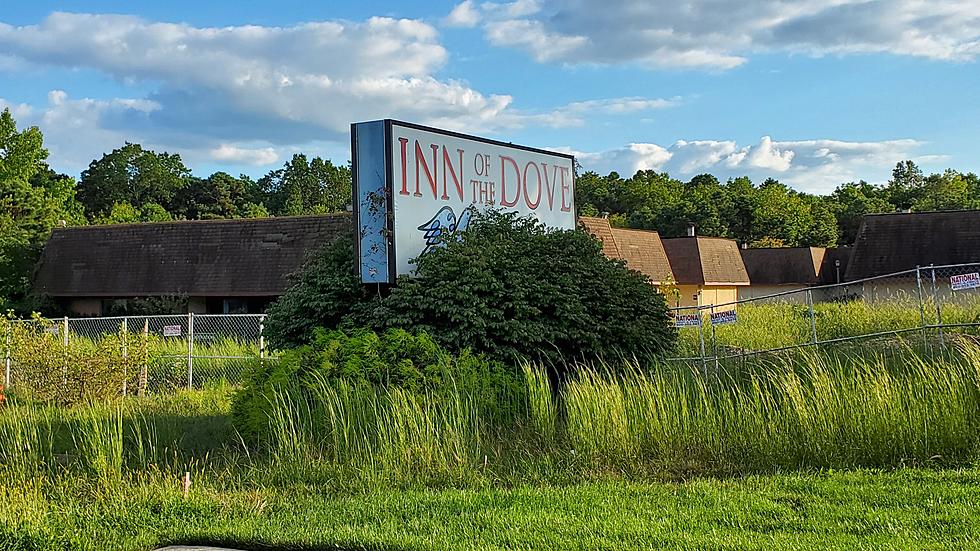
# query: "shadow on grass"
{"points": [[260, 545]]}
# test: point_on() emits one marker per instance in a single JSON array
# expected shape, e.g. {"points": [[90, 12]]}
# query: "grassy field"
{"points": [[798, 451], [765, 326], [852, 510]]}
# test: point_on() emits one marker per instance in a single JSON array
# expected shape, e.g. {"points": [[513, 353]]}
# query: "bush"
{"points": [[327, 292], [509, 288], [515, 290], [363, 358]]}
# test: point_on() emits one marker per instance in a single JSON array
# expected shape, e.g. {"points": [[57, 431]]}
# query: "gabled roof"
{"points": [[640, 249], [244, 257], [644, 252], [705, 261], [888, 243], [600, 228], [784, 266]]}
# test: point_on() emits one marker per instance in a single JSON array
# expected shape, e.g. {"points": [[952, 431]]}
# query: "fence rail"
{"points": [[932, 301], [177, 351], [161, 353]]}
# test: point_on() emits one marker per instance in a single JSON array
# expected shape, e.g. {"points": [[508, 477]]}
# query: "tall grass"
{"points": [[802, 410]]}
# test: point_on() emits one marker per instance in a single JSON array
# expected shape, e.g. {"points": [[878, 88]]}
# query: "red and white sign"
{"points": [[965, 281], [439, 177]]}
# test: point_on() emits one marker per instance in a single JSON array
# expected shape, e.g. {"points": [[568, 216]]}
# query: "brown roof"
{"points": [[640, 249], [830, 272], [784, 266], [644, 252], [705, 261], [888, 243], [600, 228], [245, 257]]}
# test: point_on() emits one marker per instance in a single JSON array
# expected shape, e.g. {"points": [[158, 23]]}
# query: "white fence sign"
{"points": [[965, 281], [171, 330], [687, 320], [722, 318]]}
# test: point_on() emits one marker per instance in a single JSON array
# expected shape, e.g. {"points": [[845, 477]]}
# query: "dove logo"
{"points": [[443, 227]]}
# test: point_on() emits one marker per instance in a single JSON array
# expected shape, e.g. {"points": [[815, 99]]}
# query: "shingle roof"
{"points": [[784, 266], [246, 257], [641, 249], [888, 243], [705, 261], [600, 228], [644, 252]]}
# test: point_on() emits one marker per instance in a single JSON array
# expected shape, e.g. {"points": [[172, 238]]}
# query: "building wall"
{"points": [[703, 295], [85, 306], [756, 291]]}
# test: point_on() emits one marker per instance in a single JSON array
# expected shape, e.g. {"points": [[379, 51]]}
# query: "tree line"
{"points": [[770, 214], [132, 184]]}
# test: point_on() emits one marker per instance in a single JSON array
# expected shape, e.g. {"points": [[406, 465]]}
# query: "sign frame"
{"points": [[372, 179]]}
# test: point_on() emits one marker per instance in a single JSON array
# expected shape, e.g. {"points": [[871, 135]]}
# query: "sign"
{"points": [[687, 320], [965, 281], [171, 330], [725, 317], [416, 186], [52, 330]]}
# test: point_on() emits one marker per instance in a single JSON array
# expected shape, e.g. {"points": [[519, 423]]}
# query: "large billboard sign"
{"points": [[414, 186]]}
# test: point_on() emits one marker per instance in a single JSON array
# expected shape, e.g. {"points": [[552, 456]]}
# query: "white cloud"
{"points": [[465, 14], [816, 166], [256, 156], [718, 34]]}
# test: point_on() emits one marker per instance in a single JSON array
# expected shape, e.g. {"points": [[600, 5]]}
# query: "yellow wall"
{"points": [[703, 295]]}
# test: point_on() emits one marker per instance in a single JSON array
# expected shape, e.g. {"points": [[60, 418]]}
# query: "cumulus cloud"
{"points": [[465, 14], [719, 34], [816, 166], [254, 156]]}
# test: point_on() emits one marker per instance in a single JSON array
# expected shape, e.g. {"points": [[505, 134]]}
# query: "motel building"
{"points": [[693, 270]]}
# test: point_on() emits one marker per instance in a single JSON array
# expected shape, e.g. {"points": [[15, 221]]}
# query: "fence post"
{"points": [[190, 351], [7, 354], [64, 342], [125, 355], [262, 337], [813, 319], [714, 337], [144, 359], [939, 308], [704, 358], [922, 307]]}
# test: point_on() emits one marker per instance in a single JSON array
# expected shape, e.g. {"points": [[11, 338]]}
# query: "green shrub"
{"points": [[365, 359], [515, 290], [509, 288], [327, 292]]}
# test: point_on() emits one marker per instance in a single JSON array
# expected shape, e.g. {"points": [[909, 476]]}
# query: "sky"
{"points": [[813, 93]]}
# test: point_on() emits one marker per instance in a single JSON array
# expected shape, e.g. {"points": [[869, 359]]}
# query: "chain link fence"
{"points": [[141, 353], [932, 306]]}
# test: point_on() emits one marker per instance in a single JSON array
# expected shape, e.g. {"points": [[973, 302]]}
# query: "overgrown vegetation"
{"points": [[509, 288]]}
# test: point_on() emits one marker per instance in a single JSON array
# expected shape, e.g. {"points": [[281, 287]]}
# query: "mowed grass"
{"points": [[845, 510]]}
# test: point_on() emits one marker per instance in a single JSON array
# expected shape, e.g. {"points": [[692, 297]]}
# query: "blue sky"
{"points": [[813, 93]]}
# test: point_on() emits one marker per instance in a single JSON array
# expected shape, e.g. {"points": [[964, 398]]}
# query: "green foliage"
{"points": [[307, 187], [515, 290], [327, 292], [133, 175], [364, 360], [33, 200]]}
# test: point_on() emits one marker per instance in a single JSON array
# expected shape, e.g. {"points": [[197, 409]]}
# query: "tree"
{"points": [[515, 290], [850, 202], [33, 199], [307, 187], [133, 175], [906, 185], [948, 191], [220, 195]]}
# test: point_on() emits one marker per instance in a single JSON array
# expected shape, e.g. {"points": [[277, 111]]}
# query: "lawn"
{"points": [[857, 509]]}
